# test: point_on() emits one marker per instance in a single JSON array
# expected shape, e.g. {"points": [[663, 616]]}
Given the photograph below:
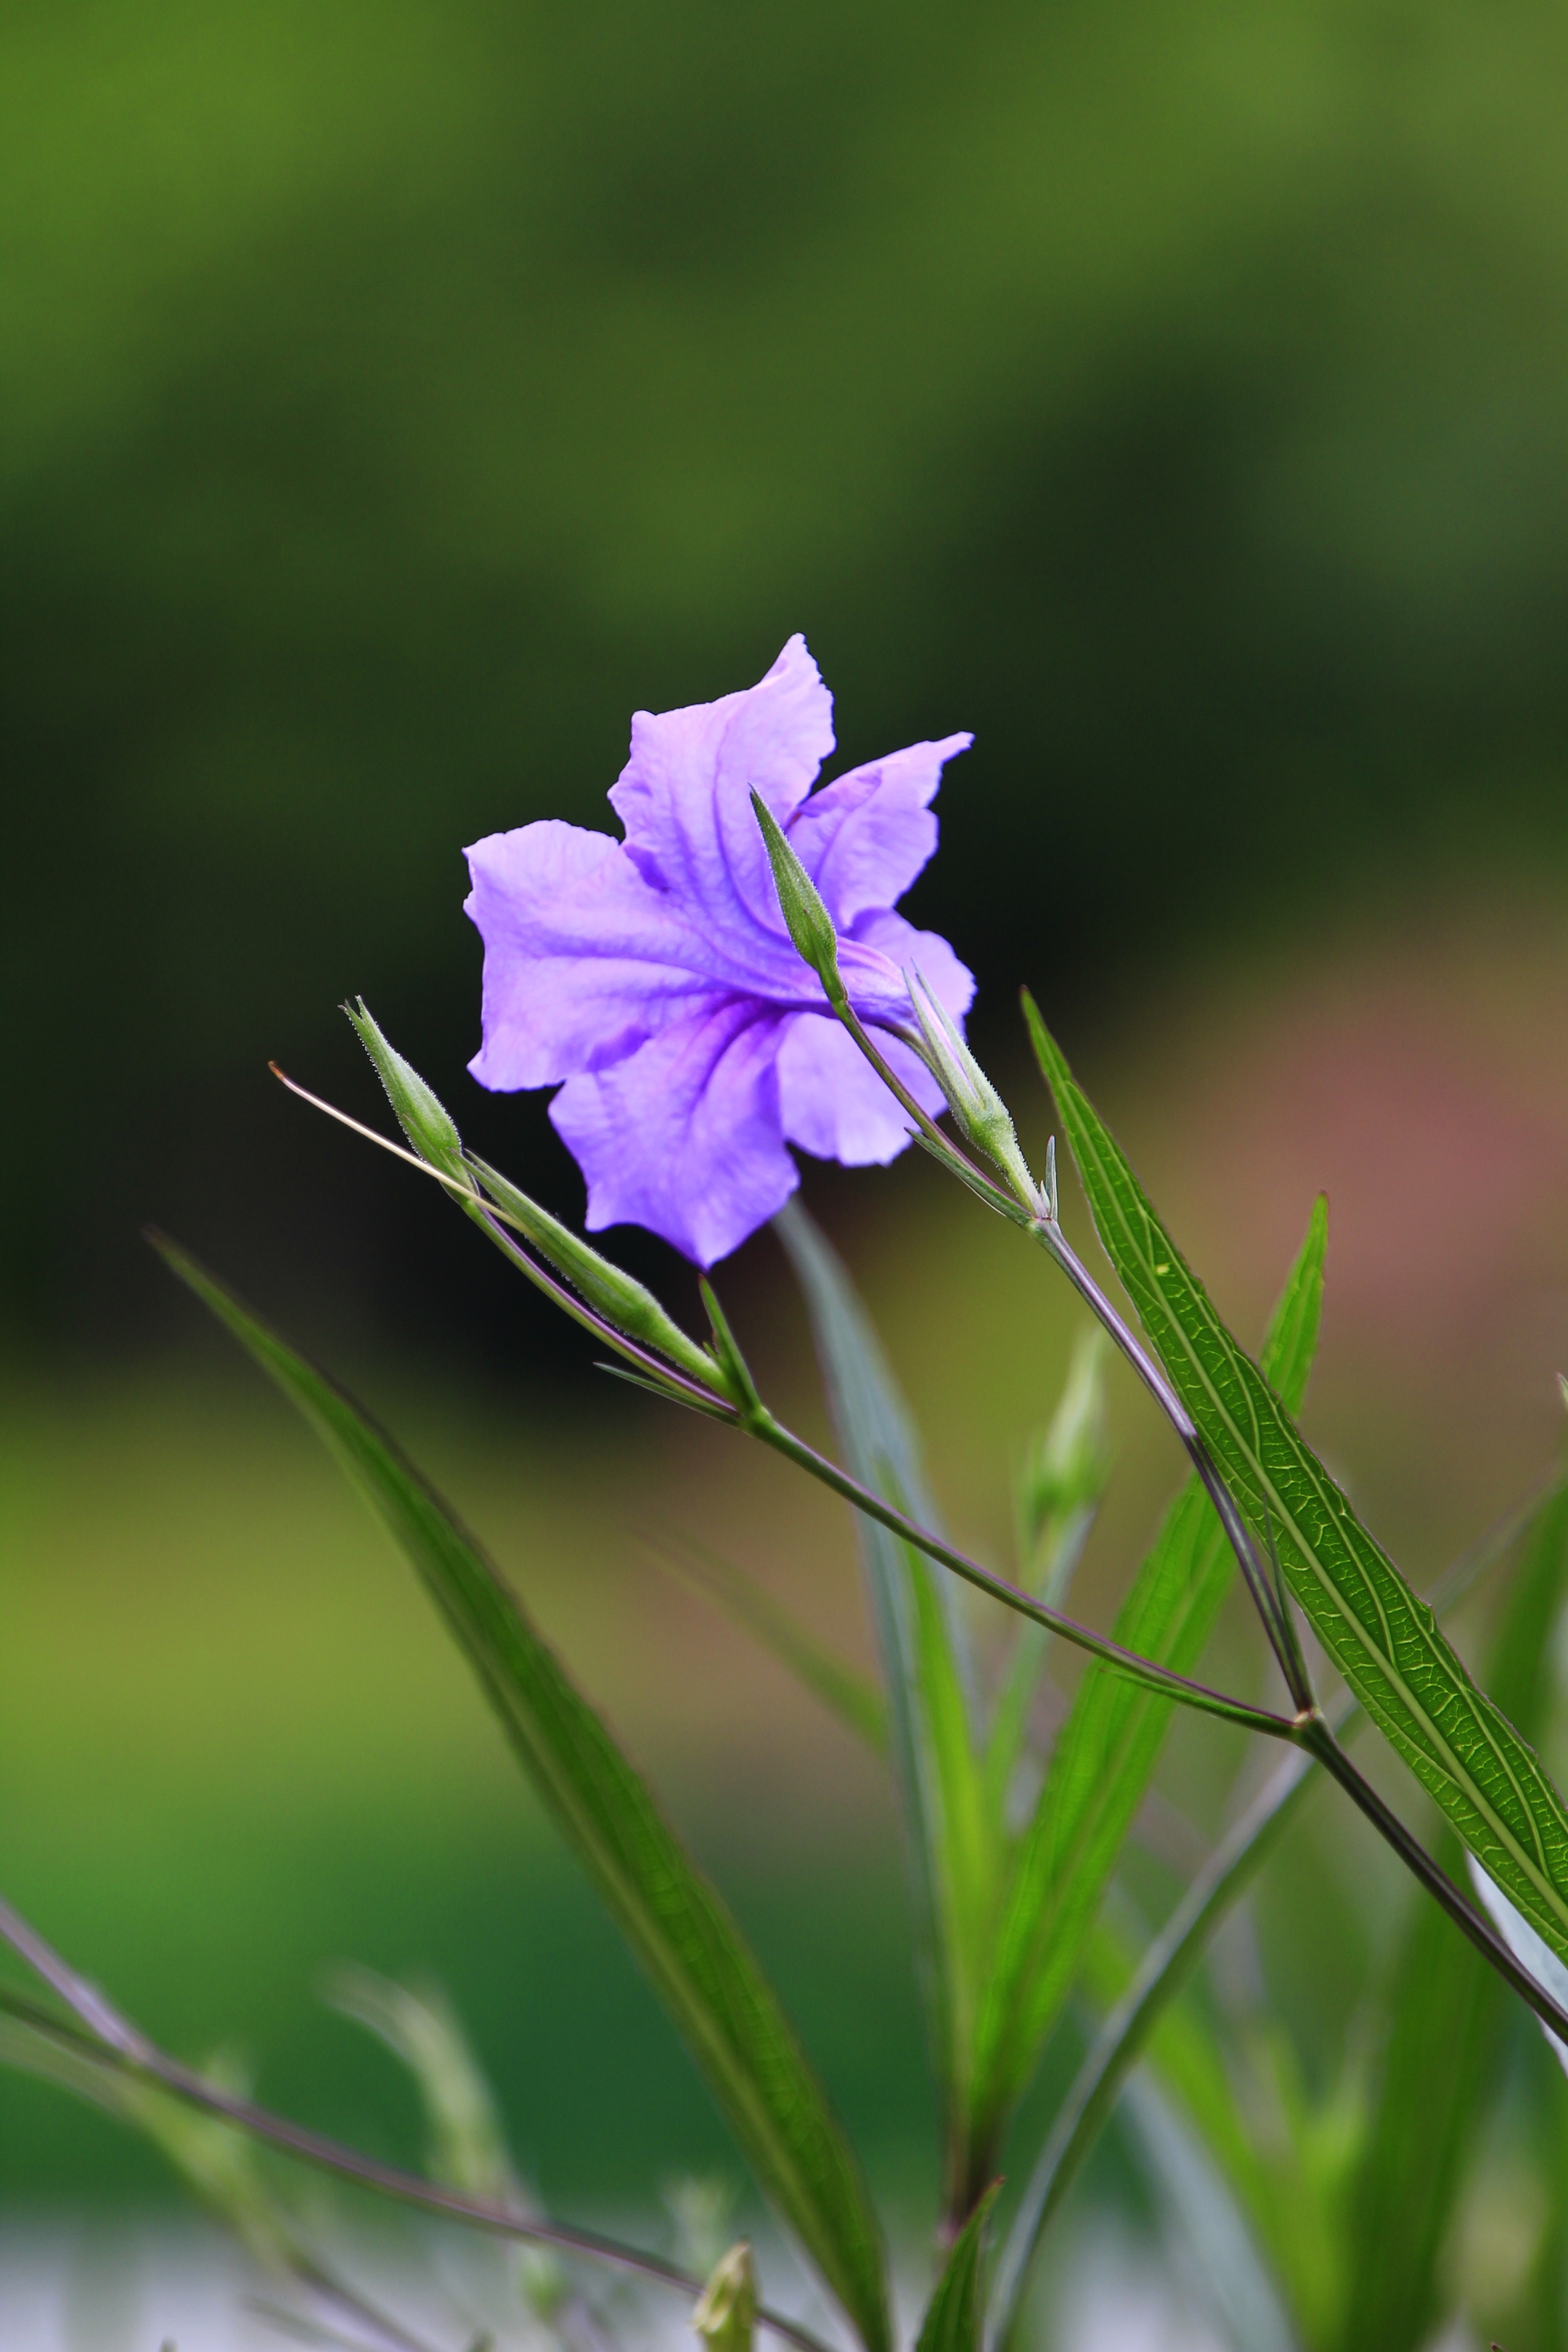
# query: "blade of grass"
{"points": [[1107, 1751], [955, 2314], [924, 1666], [1386, 1642], [673, 1919]]}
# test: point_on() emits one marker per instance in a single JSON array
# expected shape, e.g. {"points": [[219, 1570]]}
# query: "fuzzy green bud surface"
{"points": [[421, 1114], [979, 1112]]}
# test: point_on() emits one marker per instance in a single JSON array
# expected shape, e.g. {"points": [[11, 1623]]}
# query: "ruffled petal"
{"points": [[864, 837], [583, 959], [832, 1102], [684, 795], [683, 1136]]}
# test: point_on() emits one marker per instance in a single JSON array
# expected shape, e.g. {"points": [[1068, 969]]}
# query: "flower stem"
{"points": [[130, 2053], [1158, 1678]]}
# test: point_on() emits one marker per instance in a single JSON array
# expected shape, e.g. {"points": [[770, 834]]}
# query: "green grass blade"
{"points": [[955, 2314], [1386, 1642], [849, 1695], [1445, 2009], [673, 1919], [925, 1666], [1105, 1757]]}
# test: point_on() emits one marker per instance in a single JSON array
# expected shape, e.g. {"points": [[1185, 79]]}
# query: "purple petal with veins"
{"points": [[654, 979]]}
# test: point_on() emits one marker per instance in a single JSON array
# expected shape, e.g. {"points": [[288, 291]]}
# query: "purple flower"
{"points": [[655, 976]]}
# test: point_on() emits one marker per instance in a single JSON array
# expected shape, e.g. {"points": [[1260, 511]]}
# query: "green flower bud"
{"points": [[1067, 1465], [621, 1300], [979, 1112], [810, 924], [423, 1117], [617, 1296], [725, 2316]]}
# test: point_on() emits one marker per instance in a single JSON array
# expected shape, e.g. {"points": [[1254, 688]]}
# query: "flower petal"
{"points": [[684, 795], [950, 982], [864, 837], [683, 1136], [583, 960], [832, 1102]]}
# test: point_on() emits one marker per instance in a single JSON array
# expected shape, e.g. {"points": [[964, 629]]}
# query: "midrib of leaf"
{"points": [[1462, 1748]]}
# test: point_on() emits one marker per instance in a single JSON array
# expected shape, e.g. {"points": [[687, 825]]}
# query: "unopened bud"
{"points": [[621, 1300], [809, 923], [1065, 1467], [618, 1296], [725, 2316], [979, 1111], [423, 1117]]}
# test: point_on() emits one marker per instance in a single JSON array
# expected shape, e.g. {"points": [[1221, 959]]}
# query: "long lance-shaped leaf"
{"points": [[955, 2315], [1107, 1749], [920, 1639], [1143, 2010], [1445, 2009], [1384, 1639], [674, 1922]]}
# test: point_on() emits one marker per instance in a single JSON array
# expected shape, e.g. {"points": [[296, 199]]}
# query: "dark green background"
{"points": [[399, 395]]}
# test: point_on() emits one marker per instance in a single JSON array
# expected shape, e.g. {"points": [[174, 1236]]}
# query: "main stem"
{"points": [[1310, 1730], [1319, 1743], [1162, 1680]]}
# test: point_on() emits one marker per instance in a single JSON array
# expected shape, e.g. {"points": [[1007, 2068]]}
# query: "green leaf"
{"points": [[845, 1693], [924, 1664], [674, 1922], [1143, 2012], [1384, 1639], [1445, 2009], [956, 2311], [1105, 1756]]}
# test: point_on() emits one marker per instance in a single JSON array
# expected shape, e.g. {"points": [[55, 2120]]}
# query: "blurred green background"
{"points": [[1176, 394]]}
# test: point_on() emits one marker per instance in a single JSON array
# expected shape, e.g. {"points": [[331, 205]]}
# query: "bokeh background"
{"points": [[1175, 393]]}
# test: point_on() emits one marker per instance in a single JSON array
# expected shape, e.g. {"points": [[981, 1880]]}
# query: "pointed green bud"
{"points": [[725, 2315], [617, 1296], [1067, 1466], [979, 1112], [423, 1117], [810, 924]]}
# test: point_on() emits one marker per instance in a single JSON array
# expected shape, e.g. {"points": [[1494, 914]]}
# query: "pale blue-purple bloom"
{"points": [[654, 977]]}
